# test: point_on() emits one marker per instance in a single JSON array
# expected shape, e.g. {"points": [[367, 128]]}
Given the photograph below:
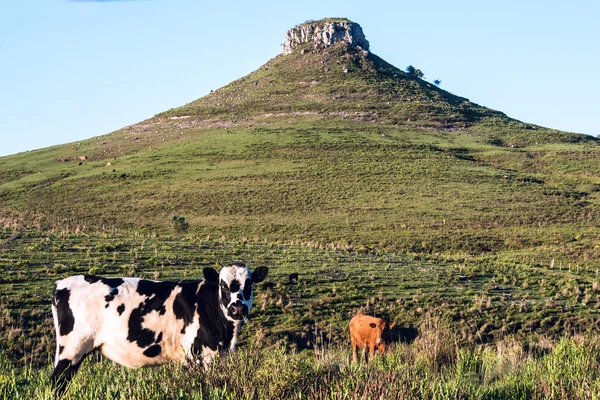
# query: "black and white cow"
{"points": [[137, 322]]}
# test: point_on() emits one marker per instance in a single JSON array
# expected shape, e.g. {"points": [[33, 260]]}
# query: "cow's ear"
{"points": [[259, 274], [373, 325], [211, 275]]}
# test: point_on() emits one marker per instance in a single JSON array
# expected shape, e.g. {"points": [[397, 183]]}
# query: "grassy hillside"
{"points": [[321, 179]]}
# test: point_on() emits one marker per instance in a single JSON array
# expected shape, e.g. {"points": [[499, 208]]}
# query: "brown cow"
{"points": [[369, 333]]}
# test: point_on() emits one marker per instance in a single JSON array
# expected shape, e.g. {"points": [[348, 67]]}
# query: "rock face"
{"points": [[324, 33]]}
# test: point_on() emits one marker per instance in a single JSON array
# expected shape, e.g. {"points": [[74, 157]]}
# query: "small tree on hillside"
{"points": [[437, 82], [415, 72], [180, 225]]}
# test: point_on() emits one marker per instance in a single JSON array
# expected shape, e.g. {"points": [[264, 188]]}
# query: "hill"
{"points": [[327, 144]]}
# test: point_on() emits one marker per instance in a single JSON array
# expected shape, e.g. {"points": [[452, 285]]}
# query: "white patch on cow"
{"points": [[229, 274], [236, 330]]}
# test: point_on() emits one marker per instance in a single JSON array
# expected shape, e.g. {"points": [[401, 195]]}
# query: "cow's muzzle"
{"points": [[238, 310]]}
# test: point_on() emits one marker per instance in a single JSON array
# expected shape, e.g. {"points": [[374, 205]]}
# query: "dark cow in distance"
{"points": [[137, 322], [369, 333]]}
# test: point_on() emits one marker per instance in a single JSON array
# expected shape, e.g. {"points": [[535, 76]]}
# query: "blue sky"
{"points": [[71, 70]]}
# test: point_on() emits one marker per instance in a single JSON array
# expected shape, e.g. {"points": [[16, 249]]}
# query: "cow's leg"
{"points": [[68, 359], [72, 344], [354, 350], [369, 352], [372, 351], [63, 373]]}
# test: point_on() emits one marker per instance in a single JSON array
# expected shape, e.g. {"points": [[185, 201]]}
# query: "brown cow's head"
{"points": [[384, 335]]}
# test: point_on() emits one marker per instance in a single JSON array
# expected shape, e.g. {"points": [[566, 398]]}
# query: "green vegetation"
{"points": [[180, 225], [430, 368], [499, 319], [410, 70], [384, 192], [332, 181]]}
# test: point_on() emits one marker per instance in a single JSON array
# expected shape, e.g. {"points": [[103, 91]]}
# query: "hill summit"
{"points": [[325, 33], [326, 68]]}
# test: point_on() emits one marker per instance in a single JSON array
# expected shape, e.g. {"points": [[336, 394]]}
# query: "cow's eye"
{"points": [[224, 286]]}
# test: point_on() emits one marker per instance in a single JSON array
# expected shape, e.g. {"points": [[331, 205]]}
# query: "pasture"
{"points": [[469, 312]]}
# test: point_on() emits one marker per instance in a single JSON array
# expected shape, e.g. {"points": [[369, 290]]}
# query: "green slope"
{"points": [[301, 150]]}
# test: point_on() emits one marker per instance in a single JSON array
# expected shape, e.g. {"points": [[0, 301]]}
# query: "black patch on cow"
{"points": [[136, 333], [62, 374], [184, 305], [60, 349], [121, 308], [152, 288], [156, 293], [159, 338], [153, 351], [247, 289], [112, 282], [111, 296], [234, 286], [215, 330], [65, 317], [91, 278]]}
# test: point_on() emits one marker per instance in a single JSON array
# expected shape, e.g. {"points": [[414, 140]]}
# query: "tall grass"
{"points": [[426, 369]]}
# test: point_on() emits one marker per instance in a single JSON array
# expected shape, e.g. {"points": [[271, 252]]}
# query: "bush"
{"points": [[180, 225]]}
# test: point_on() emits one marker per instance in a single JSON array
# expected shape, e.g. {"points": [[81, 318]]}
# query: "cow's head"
{"points": [[235, 288], [383, 333]]}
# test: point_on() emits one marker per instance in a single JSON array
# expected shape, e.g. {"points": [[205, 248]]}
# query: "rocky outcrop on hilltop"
{"points": [[325, 33]]}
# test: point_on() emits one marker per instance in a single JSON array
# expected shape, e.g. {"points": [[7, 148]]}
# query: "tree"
{"points": [[437, 82], [415, 72]]}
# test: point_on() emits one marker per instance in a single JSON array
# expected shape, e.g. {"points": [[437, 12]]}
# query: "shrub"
{"points": [[180, 225]]}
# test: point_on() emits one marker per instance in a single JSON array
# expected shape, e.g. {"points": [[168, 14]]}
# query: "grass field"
{"points": [[454, 312]]}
